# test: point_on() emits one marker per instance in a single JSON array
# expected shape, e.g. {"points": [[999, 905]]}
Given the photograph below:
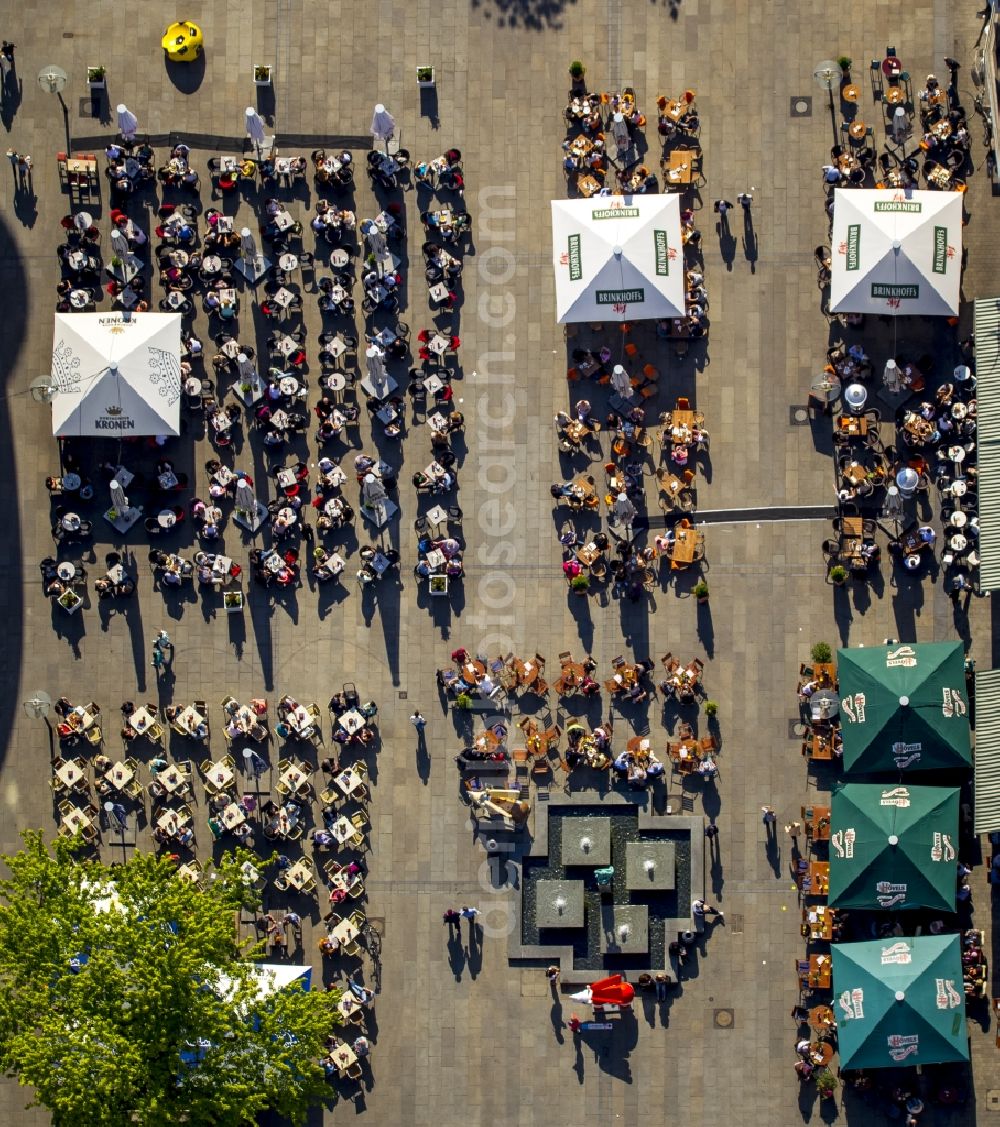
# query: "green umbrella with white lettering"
{"points": [[893, 847], [618, 258], [900, 1002], [903, 708]]}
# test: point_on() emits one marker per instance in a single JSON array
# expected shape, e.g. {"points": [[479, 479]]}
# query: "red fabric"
{"points": [[613, 991]]}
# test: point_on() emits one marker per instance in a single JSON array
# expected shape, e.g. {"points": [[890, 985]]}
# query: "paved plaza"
{"points": [[461, 1036]]}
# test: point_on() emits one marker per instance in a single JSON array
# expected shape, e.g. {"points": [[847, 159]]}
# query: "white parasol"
{"points": [[383, 125], [375, 364], [254, 126], [246, 499], [248, 244], [375, 240], [619, 130], [119, 243], [624, 510], [620, 382], [128, 123], [372, 490], [245, 366], [118, 499]]}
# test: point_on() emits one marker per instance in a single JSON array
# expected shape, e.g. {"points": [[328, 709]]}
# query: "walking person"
{"points": [[452, 919], [699, 909], [294, 921], [745, 200], [469, 914], [768, 817], [418, 721], [721, 208], [7, 50], [552, 974], [792, 829]]}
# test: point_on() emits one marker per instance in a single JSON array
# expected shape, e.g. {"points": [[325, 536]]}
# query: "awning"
{"points": [[987, 329], [896, 252], [987, 774], [618, 258]]}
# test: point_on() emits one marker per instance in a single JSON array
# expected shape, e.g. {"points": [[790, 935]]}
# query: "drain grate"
{"points": [[724, 1019], [734, 924], [796, 729], [800, 105], [88, 106], [798, 415], [402, 694]]}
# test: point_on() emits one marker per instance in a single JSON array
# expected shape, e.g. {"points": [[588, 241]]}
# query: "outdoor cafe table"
{"points": [[677, 169], [293, 777], [683, 750], [438, 344], [821, 746], [172, 779], [820, 968], [342, 879], [343, 1057], [638, 745], [189, 719], [588, 185], [170, 821], [345, 932], [79, 719], [349, 781], [298, 718], [76, 819], [343, 830], [683, 548], [526, 671], [818, 920], [817, 822], [187, 873], [589, 554], [233, 816], [347, 1005], [284, 298], [69, 774], [299, 874], [672, 486], [487, 741], [220, 774], [352, 722], [283, 221], [818, 879], [473, 671], [825, 672], [119, 775]]}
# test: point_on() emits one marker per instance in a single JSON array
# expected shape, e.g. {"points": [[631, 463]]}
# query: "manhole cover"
{"points": [[801, 106], [88, 107], [796, 729], [723, 1019], [993, 1099], [403, 695], [798, 415]]}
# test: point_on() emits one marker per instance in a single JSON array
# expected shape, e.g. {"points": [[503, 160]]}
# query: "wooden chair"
{"points": [[565, 656]]}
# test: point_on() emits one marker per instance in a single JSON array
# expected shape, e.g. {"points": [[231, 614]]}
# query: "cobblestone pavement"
{"points": [[465, 1038]]}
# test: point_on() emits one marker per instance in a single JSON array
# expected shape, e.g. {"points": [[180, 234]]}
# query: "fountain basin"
{"points": [[588, 843], [637, 876], [547, 910], [634, 918]]}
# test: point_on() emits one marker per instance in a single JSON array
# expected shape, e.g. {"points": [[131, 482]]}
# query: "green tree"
{"points": [[125, 998]]}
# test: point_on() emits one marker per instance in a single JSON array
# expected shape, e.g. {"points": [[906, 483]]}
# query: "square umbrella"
{"points": [[900, 1001], [116, 374], [618, 258], [893, 847], [903, 708], [896, 252]]}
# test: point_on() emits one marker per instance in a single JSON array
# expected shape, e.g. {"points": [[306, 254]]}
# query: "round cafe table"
{"points": [[336, 381], [959, 410], [288, 385], [83, 221], [288, 515], [211, 264], [850, 92], [956, 453], [166, 518], [958, 519], [857, 130], [80, 299], [958, 543], [71, 482], [339, 257], [957, 489], [895, 95], [66, 571], [71, 522], [892, 67], [288, 262], [192, 386]]}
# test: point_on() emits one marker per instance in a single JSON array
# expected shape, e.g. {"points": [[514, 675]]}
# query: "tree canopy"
{"points": [[125, 998]]}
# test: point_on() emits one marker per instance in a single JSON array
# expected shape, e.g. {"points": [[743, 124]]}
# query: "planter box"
{"points": [[233, 602], [262, 76], [96, 83], [439, 584], [425, 77]]}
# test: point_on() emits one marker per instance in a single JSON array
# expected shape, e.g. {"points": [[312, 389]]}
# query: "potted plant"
{"points": [[711, 709], [838, 576], [845, 65], [116, 260], [439, 585], [821, 653], [425, 77], [826, 1084], [576, 71], [232, 601], [701, 591], [262, 75], [580, 584], [96, 78], [463, 701]]}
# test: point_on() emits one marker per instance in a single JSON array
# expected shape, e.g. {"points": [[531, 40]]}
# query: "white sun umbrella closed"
{"points": [[119, 243], [383, 125], [254, 126], [619, 130], [118, 499], [375, 364], [246, 499], [620, 382], [372, 490], [624, 509], [245, 366], [248, 244], [128, 123]]}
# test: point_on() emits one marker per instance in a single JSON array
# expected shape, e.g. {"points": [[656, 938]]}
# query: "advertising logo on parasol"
{"points": [[898, 954], [854, 708], [905, 754], [905, 656], [898, 796], [843, 842], [662, 253], [852, 1004], [889, 894], [947, 997], [615, 213], [902, 1046], [614, 297], [575, 263], [898, 205], [940, 265], [952, 703], [853, 261], [941, 848], [115, 420], [895, 292]]}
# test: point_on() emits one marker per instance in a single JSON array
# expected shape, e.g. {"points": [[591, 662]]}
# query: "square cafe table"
{"points": [[343, 1057], [76, 819], [684, 545], [170, 821], [119, 776], [233, 816], [343, 830], [347, 1005], [349, 781], [282, 220], [284, 297], [220, 774], [299, 875], [69, 774], [352, 721], [187, 873], [345, 932], [293, 777], [189, 719], [298, 718], [172, 779]]}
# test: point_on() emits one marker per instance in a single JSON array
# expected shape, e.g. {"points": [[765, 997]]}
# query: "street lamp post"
{"points": [[826, 74], [52, 80], [36, 707]]}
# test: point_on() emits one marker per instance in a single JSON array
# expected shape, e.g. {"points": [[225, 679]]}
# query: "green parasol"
{"points": [[903, 708], [900, 1001], [893, 847]]}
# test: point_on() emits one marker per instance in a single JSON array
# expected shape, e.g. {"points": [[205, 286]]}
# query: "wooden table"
{"points": [[821, 1053], [343, 1057], [589, 554], [895, 95], [855, 473], [678, 167], [852, 526], [821, 746], [820, 972], [473, 672], [816, 820], [683, 750], [825, 672], [683, 548], [857, 130], [233, 816], [588, 185], [850, 92], [819, 920], [638, 745], [672, 486], [855, 426], [819, 878], [299, 875], [526, 671]]}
